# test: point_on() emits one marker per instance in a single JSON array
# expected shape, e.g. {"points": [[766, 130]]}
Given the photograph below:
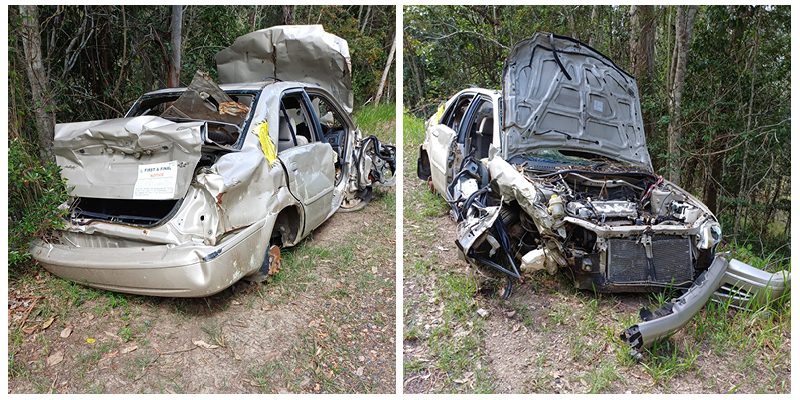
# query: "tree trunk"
{"points": [[643, 53], [642, 43], [771, 205], [288, 14], [43, 110], [711, 188], [743, 193], [385, 73], [593, 33], [412, 62], [173, 78], [366, 18], [683, 34]]}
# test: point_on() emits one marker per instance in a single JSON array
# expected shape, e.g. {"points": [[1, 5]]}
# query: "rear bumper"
{"points": [[734, 282], [186, 270]]}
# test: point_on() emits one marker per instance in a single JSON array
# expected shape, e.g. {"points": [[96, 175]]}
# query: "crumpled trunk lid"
{"points": [[146, 157], [559, 93], [302, 53]]}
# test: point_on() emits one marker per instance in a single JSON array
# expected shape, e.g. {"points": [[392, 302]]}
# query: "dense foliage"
{"points": [[735, 113], [100, 58]]}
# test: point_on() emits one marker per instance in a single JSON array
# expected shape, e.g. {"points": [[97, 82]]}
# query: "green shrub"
{"points": [[34, 193]]}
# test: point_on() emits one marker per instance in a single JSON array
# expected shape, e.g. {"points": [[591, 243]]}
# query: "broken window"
{"points": [[332, 129], [454, 115], [294, 127]]}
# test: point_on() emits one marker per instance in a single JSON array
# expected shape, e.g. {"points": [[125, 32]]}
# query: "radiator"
{"points": [[672, 259]]}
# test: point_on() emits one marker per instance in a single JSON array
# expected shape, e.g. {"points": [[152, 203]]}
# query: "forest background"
{"points": [[714, 83]]}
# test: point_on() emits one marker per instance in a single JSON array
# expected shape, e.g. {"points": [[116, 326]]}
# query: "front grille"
{"points": [[672, 259]]}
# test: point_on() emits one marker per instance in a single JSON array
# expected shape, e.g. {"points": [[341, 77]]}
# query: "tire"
{"points": [[360, 201]]}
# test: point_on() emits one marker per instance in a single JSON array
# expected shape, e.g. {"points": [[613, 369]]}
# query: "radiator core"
{"points": [[672, 259]]}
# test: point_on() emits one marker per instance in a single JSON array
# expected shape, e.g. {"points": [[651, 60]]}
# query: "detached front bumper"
{"points": [[186, 270], [735, 283]]}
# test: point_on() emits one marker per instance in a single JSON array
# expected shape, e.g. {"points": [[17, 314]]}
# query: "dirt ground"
{"points": [[550, 338], [325, 324]]}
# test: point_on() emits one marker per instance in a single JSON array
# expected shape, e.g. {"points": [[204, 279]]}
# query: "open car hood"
{"points": [[146, 157], [302, 53], [561, 94]]}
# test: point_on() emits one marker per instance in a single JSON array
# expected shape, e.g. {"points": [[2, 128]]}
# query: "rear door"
{"points": [[309, 163]]}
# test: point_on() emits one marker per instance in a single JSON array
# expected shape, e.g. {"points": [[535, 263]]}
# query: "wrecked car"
{"points": [[553, 174], [199, 187]]}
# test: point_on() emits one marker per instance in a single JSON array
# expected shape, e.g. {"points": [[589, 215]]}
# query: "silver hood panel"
{"points": [[579, 101]]}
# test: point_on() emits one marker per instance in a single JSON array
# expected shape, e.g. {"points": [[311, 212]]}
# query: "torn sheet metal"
{"points": [[111, 158], [304, 53], [204, 99], [376, 165], [512, 185]]}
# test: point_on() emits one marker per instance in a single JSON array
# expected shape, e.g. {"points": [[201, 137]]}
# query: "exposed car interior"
{"points": [[480, 132], [293, 127]]}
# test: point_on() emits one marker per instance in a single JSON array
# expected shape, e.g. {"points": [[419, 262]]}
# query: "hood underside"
{"points": [[302, 53], [561, 94]]}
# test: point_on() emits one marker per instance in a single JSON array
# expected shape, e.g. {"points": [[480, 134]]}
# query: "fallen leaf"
{"points": [[360, 371], [129, 349], [47, 323], [66, 332], [55, 358], [200, 343], [29, 330], [112, 354], [90, 340]]}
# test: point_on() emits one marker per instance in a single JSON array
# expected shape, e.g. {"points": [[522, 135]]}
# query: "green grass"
{"points": [[373, 121], [453, 352], [413, 130]]}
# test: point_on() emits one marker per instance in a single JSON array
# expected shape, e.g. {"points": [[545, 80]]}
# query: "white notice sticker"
{"points": [[156, 181], [598, 105]]}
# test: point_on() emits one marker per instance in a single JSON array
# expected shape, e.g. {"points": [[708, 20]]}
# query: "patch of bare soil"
{"points": [[329, 326]]}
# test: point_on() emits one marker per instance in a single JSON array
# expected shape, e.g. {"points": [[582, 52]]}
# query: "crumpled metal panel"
{"points": [[303, 53], [104, 159], [311, 180], [574, 98], [514, 186], [198, 102]]}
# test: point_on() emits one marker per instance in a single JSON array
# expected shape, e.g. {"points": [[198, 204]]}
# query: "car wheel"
{"points": [[357, 202], [271, 265]]}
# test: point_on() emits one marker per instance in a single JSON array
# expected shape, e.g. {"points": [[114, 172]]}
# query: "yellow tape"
{"points": [[439, 113], [266, 142]]}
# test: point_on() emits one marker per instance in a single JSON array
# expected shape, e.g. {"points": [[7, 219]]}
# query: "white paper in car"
{"points": [[156, 181]]}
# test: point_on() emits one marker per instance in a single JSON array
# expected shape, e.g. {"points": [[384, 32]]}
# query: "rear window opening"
{"points": [[145, 213]]}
